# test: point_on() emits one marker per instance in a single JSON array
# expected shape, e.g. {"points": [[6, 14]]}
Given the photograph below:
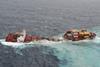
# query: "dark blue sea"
{"points": [[50, 18]]}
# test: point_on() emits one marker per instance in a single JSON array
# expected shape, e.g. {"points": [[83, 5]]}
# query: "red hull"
{"points": [[13, 38]]}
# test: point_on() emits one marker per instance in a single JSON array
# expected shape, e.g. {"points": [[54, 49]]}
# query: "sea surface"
{"points": [[50, 18]]}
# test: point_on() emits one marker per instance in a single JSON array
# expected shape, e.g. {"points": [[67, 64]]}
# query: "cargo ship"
{"points": [[72, 35]]}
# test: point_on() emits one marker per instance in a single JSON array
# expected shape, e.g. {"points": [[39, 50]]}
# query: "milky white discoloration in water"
{"points": [[84, 53]]}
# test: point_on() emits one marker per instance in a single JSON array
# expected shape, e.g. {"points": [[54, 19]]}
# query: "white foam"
{"points": [[96, 40], [46, 42], [17, 44]]}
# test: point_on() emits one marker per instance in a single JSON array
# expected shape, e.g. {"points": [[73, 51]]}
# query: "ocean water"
{"points": [[50, 18]]}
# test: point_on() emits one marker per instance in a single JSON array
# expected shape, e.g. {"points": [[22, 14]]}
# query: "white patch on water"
{"points": [[97, 40], [85, 53], [12, 44], [17, 44]]}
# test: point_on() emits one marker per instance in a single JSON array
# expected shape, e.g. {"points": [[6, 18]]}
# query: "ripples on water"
{"points": [[50, 18], [63, 54]]}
